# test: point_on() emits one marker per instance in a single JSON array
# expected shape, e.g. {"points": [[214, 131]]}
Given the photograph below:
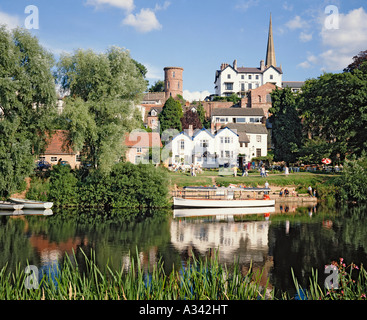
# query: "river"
{"points": [[293, 236]]}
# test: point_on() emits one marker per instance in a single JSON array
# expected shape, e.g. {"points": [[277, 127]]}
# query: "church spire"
{"points": [[270, 52]]}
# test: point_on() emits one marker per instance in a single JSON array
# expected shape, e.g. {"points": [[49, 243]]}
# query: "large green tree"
{"points": [[27, 102], [286, 125], [334, 109], [170, 117], [104, 90]]}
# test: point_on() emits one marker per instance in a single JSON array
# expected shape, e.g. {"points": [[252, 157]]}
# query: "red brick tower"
{"points": [[173, 82]]}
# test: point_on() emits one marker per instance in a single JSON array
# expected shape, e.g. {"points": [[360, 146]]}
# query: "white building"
{"points": [[252, 140], [237, 80], [237, 115], [204, 148]]}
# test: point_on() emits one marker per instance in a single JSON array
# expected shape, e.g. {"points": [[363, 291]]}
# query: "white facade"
{"points": [[257, 147], [230, 79], [204, 148]]}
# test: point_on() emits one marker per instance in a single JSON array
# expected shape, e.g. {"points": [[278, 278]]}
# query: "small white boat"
{"points": [[10, 212], [4, 205], [37, 212], [32, 204], [215, 197], [182, 213], [208, 203]]}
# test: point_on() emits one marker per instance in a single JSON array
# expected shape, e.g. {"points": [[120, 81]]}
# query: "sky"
{"points": [[310, 36]]}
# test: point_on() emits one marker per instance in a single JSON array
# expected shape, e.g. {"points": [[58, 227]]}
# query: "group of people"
{"points": [[311, 193]]}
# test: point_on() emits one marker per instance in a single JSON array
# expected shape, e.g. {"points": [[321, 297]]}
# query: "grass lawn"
{"points": [[298, 179]]}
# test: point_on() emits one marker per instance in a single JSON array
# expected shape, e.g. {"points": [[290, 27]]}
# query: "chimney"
{"points": [[235, 64], [191, 130], [262, 65]]}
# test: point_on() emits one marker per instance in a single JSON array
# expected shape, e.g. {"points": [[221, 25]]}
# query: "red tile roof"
{"points": [[57, 144], [143, 139]]}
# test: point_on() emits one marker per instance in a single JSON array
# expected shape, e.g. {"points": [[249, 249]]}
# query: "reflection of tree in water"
{"points": [[317, 243]]}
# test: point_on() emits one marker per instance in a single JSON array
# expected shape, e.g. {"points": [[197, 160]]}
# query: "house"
{"points": [[204, 148], [57, 148], [152, 120], [231, 79], [253, 140], [139, 143], [236, 115]]}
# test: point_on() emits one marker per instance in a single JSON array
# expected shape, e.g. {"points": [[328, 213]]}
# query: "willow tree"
{"points": [[103, 91], [27, 103]]}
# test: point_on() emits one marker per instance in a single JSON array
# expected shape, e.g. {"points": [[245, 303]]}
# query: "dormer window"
{"points": [[154, 113]]}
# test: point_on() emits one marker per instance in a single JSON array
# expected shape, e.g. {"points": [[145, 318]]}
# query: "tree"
{"points": [[358, 60], [27, 102], [286, 125], [191, 118], [104, 90], [203, 119], [334, 108], [170, 117], [158, 86]]}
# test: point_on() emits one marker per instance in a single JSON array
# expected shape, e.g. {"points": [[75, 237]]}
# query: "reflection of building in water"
{"points": [[246, 240]]}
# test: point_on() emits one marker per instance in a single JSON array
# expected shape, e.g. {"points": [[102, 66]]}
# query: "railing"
{"points": [[214, 195]]}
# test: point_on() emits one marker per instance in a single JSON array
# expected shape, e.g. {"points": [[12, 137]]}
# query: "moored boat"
{"points": [[5, 205], [32, 204], [215, 197]]}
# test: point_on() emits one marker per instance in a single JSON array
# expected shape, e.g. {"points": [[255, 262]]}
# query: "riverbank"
{"points": [[296, 183]]}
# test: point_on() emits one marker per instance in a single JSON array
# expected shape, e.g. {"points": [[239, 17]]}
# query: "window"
{"points": [[42, 158], [258, 138], [250, 76], [53, 159], [167, 84], [227, 154], [271, 77], [178, 85], [138, 149], [228, 85], [182, 144], [137, 159], [258, 152], [242, 76], [242, 120], [259, 98], [257, 77], [250, 86], [173, 74], [204, 143], [217, 119], [78, 158], [228, 76], [242, 87]]}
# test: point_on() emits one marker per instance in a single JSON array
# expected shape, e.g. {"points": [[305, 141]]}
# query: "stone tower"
{"points": [[270, 51], [173, 82]]}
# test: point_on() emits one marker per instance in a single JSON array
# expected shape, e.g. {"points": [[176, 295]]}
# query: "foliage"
{"points": [[158, 86], [358, 60], [170, 117], [353, 181], [286, 125], [333, 108], [314, 150], [104, 89], [139, 185], [27, 100], [63, 186], [232, 98], [125, 186], [191, 118]]}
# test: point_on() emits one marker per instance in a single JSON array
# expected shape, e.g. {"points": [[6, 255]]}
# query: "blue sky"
{"points": [[199, 35]]}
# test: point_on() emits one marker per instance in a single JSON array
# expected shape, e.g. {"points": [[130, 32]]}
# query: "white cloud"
{"points": [[342, 44], [195, 96], [296, 23], [10, 21], [305, 37], [144, 21], [127, 5], [154, 73]]}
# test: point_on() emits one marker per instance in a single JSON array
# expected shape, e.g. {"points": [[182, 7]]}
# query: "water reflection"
{"points": [[286, 237]]}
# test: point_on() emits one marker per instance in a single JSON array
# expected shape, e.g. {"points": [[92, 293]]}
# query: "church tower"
{"points": [[270, 51]]}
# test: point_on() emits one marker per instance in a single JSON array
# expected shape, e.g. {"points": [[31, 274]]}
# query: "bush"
{"points": [[353, 180], [39, 189], [63, 186]]}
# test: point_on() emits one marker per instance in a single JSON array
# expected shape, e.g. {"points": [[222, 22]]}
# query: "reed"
{"points": [[200, 279]]}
